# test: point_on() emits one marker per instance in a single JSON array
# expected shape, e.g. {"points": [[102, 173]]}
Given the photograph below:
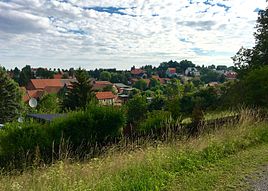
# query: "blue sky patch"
{"points": [[111, 10]]}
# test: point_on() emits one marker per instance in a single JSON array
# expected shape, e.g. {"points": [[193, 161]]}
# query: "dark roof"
{"points": [[45, 117]]}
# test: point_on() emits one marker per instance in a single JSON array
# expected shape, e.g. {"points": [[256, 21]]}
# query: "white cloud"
{"points": [[84, 33]]}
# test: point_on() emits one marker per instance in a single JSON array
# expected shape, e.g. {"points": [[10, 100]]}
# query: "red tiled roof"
{"points": [[28, 94], [51, 89], [161, 80], [105, 95], [137, 71], [57, 76], [42, 83], [101, 84]]}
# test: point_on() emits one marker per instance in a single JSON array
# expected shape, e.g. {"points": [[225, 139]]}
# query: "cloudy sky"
{"points": [[122, 33]]}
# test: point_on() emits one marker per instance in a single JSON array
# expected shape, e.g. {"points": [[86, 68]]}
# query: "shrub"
{"points": [[156, 120], [22, 144], [19, 143], [94, 125]]}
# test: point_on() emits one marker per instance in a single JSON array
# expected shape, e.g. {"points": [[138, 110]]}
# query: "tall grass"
{"points": [[152, 167]]}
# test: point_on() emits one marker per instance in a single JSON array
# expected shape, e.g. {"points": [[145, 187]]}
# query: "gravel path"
{"points": [[261, 184]]}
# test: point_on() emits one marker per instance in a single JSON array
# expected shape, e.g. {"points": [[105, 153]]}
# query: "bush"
{"points": [[22, 144], [19, 143], [156, 120], [94, 125]]}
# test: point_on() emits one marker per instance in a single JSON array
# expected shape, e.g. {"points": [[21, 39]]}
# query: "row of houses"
{"points": [[189, 72], [36, 88]]}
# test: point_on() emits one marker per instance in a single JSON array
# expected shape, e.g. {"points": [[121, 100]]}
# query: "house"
{"points": [[138, 73], [171, 72], [230, 75], [41, 84], [120, 87], [36, 88], [57, 76], [161, 80], [99, 85], [105, 98], [28, 94], [192, 71]]}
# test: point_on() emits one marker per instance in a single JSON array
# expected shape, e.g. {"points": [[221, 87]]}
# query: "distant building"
{"points": [[171, 72], [138, 73], [120, 87], [192, 71], [99, 85], [105, 98], [36, 88], [230, 75]]}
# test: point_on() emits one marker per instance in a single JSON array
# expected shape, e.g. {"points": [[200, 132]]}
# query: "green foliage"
{"points": [[154, 83], [158, 103], [44, 73], [248, 59], [136, 109], [174, 89], [10, 98], [49, 103], [105, 76], [18, 143], [25, 75], [173, 106], [80, 93], [212, 76], [205, 98], [141, 85], [157, 119], [78, 132], [255, 87], [94, 125]]}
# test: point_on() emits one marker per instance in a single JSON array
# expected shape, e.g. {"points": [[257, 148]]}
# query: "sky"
{"points": [[122, 33]]}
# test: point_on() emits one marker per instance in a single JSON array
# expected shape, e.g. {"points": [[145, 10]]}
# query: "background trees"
{"points": [[10, 98], [105, 76]]}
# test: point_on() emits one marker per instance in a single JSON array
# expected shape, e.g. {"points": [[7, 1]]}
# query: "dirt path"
{"points": [[261, 182]]}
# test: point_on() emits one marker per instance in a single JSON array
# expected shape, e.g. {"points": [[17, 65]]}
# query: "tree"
{"points": [[105, 76], [212, 76], [141, 85], [255, 88], [80, 93], [174, 88], [136, 109], [25, 75], [250, 59], [49, 103], [153, 83], [10, 98], [44, 73]]}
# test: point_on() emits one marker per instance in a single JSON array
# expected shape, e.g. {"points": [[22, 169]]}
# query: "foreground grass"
{"points": [[216, 161]]}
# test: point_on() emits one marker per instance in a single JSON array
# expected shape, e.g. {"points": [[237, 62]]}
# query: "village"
{"points": [[109, 93]]}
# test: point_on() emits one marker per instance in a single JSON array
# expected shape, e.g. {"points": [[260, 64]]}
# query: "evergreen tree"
{"points": [[10, 98], [80, 93]]}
